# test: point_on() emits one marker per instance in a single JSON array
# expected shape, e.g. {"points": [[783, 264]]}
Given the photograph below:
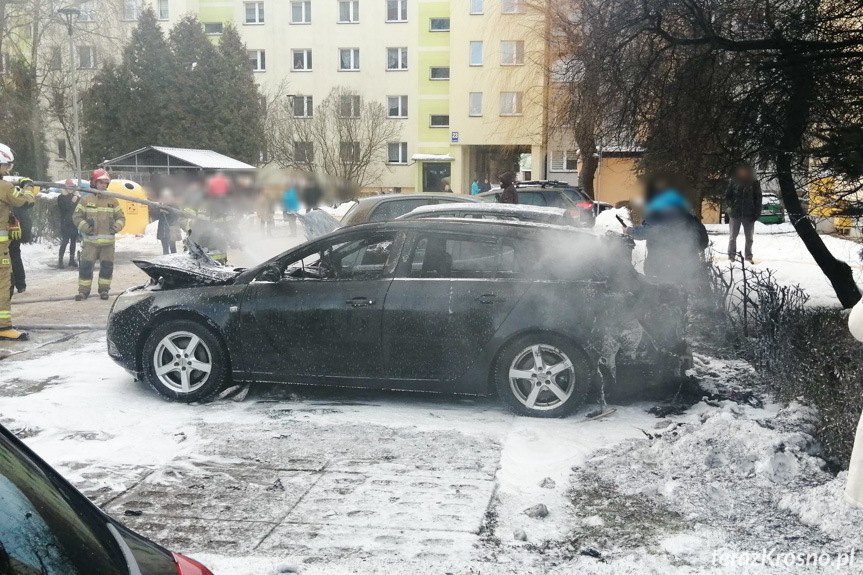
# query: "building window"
{"points": [[131, 9], [88, 11], [302, 106], [476, 6], [349, 11], [564, 161], [301, 12], [476, 53], [439, 73], [397, 10], [254, 12], [86, 57], [397, 106], [56, 58], [512, 53], [304, 153], [512, 6], [510, 103], [439, 24], [258, 60], [349, 152], [397, 58], [349, 59], [302, 60], [163, 10], [475, 104], [61, 148], [349, 106], [439, 121], [397, 153], [213, 28]]}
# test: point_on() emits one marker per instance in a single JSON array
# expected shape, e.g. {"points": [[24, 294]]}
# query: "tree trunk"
{"points": [[587, 173], [35, 111]]}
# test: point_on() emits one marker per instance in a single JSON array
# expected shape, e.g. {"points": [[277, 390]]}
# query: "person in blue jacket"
{"points": [[474, 188], [291, 205], [675, 238]]}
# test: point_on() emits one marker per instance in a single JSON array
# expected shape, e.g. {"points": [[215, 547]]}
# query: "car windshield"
{"points": [[574, 195]]}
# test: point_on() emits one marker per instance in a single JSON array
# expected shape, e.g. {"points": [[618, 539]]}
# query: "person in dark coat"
{"points": [[66, 203], [24, 222], [507, 185], [743, 206], [168, 231], [675, 239]]}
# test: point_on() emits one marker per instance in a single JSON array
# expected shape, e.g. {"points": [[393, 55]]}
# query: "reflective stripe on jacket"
{"points": [[106, 215], [11, 197]]}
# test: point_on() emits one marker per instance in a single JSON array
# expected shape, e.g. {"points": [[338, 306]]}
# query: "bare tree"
{"points": [[344, 136]]}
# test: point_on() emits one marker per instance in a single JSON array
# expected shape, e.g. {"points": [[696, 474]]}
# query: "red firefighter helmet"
{"points": [[99, 174]]}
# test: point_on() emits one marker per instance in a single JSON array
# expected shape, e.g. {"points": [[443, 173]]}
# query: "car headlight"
{"points": [[127, 299]]}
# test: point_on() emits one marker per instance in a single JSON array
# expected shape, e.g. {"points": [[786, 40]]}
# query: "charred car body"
{"points": [[539, 313]]}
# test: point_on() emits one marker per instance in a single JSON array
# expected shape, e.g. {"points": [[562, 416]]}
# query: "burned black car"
{"points": [[541, 314]]}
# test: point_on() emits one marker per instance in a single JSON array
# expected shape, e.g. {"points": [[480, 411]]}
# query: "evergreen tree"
{"points": [[240, 109], [16, 92], [104, 118]]}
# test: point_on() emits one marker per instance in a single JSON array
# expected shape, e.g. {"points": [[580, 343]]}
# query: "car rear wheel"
{"points": [[185, 361], [542, 375]]}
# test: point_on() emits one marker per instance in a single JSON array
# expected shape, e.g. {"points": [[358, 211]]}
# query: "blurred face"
{"points": [[102, 184], [5, 168], [743, 173]]}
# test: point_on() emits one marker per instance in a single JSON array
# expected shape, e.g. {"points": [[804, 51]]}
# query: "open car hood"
{"points": [[194, 267]]}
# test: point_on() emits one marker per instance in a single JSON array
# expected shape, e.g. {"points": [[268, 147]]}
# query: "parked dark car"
{"points": [[553, 194], [491, 211], [427, 305], [390, 206], [48, 527]]}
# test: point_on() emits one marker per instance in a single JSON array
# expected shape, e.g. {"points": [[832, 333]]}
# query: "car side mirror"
{"points": [[272, 273]]}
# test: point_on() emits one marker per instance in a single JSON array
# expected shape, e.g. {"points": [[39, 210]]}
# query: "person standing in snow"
{"points": [[675, 238], [507, 185], [290, 207], [474, 187], [854, 487], [98, 218], [743, 206], [66, 203]]}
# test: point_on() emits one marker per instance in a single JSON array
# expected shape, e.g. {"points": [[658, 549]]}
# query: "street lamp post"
{"points": [[70, 15]]}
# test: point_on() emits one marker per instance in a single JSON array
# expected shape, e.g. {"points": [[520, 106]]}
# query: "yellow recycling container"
{"points": [[137, 215]]}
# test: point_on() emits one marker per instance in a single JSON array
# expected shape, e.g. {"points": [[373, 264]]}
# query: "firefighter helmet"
{"points": [[6, 155], [99, 174]]}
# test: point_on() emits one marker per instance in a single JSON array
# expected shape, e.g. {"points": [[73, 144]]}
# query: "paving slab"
{"points": [[229, 538]]}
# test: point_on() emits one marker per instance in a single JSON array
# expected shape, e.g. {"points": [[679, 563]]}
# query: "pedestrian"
{"points": [[291, 205], [675, 239], [854, 487], [743, 206], [486, 186], [66, 203], [10, 197], [447, 189], [168, 229], [264, 211], [474, 187], [507, 185], [98, 218], [16, 233]]}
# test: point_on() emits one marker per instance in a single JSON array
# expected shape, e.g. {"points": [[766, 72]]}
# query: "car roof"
{"points": [[502, 227], [484, 207], [425, 195]]}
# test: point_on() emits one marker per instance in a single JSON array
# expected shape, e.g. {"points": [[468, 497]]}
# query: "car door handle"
{"points": [[360, 302], [490, 298]]}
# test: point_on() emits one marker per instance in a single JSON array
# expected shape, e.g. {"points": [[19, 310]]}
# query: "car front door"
{"points": [[319, 314], [450, 294]]}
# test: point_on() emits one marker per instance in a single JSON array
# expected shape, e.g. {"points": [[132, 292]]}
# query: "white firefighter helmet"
{"points": [[6, 155]]}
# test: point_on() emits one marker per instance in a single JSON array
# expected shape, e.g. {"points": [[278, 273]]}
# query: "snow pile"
{"points": [[607, 220], [825, 507], [340, 210]]}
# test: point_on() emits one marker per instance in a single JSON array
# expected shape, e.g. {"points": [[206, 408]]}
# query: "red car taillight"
{"points": [[588, 205], [186, 566]]}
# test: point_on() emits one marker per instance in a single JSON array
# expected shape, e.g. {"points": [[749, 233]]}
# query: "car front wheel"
{"points": [[542, 375], [185, 361]]}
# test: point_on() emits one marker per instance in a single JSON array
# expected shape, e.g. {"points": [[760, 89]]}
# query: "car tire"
{"points": [[556, 390], [185, 376]]}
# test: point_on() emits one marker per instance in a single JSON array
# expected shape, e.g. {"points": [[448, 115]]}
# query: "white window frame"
{"points": [[62, 148], [166, 13], [441, 18], [470, 104], [356, 152], [402, 107], [308, 106], [88, 11], [476, 6], [259, 14], [401, 8], [219, 33], [402, 156], [305, 160], [131, 10], [447, 68], [354, 60], [516, 50], [559, 159], [512, 6], [307, 12], [56, 60], [260, 58], [433, 125], [517, 100], [307, 60], [353, 11], [470, 54], [356, 105], [91, 59], [401, 59]]}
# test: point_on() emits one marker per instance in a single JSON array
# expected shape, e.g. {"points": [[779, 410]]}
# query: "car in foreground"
{"points": [[772, 210], [553, 194], [48, 527], [438, 305], [390, 206], [490, 211]]}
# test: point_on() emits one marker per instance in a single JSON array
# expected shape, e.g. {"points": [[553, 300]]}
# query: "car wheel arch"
{"points": [[175, 314]]}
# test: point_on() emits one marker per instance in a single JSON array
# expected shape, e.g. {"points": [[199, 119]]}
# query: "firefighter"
{"points": [[98, 218], [10, 197]]}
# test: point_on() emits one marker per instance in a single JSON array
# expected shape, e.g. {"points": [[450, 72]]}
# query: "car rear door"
{"points": [[449, 297]]}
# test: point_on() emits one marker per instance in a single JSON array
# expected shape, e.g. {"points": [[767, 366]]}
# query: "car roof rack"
{"points": [[546, 183]]}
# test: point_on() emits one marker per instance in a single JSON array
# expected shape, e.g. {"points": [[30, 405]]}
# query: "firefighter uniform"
{"points": [[10, 197], [98, 218]]}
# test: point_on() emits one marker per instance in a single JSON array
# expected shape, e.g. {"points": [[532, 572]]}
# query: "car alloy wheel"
{"points": [[183, 362], [542, 377]]}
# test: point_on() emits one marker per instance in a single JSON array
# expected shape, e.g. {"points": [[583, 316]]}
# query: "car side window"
{"points": [[532, 198], [459, 257], [359, 259], [391, 209]]}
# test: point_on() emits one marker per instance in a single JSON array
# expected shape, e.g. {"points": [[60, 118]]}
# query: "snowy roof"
{"points": [[432, 158], [204, 159]]}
